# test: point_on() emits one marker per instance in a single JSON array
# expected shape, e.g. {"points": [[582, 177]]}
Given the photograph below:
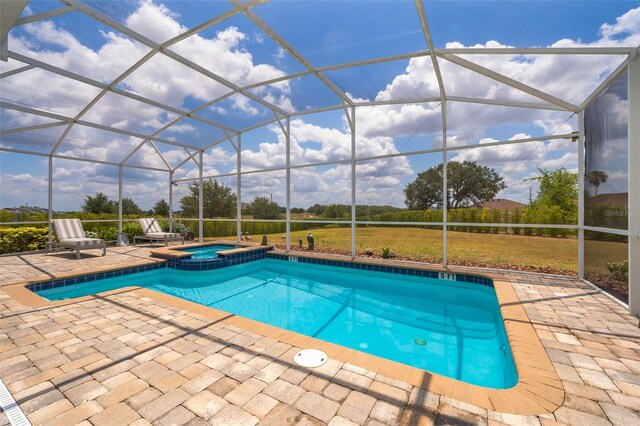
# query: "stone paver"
{"points": [[386, 413], [353, 380], [233, 416], [260, 405], [177, 416], [282, 414], [321, 408], [118, 414], [357, 407], [127, 359], [205, 404], [202, 381], [284, 391], [85, 392], [336, 392], [243, 393], [49, 411], [122, 392], [163, 404]]}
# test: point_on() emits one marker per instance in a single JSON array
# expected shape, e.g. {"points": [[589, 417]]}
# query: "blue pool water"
{"points": [[383, 314], [208, 252]]}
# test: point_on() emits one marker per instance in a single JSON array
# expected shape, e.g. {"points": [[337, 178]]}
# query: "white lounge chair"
{"points": [[71, 235], [152, 232]]}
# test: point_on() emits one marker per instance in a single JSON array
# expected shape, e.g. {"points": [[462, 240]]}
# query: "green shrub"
{"points": [[91, 234], [15, 240], [386, 252], [620, 270], [496, 217], [529, 218], [516, 217], [131, 229], [179, 227], [107, 233]]}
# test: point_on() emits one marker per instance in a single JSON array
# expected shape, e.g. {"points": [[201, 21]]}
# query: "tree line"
{"points": [[469, 185]]}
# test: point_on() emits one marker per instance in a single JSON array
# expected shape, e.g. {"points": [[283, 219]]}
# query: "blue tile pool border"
{"points": [[414, 272], [63, 282], [189, 264]]}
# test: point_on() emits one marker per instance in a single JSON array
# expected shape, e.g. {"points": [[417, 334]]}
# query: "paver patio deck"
{"points": [[124, 358]]}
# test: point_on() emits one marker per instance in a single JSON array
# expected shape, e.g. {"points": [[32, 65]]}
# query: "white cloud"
{"points": [[627, 24], [155, 21]]}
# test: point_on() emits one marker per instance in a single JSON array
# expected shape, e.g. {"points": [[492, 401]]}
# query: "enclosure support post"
{"points": [[634, 186], [238, 188], [581, 166], [288, 183], [445, 194], [200, 197], [50, 197], [353, 182], [120, 198], [170, 200]]}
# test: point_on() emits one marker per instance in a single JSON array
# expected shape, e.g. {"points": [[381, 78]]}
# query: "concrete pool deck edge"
{"points": [[539, 389]]}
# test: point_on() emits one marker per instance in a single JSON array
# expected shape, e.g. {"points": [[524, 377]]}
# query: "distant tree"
{"points": [[161, 208], [426, 191], [130, 207], [316, 209], [263, 208], [100, 203], [558, 191], [297, 210], [337, 211], [596, 178], [367, 210], [468, 184], [219, 200]]}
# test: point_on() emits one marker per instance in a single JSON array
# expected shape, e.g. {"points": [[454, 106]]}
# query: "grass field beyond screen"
{"points": [[426, 244]]}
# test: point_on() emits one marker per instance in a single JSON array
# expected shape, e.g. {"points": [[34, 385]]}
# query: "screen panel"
{"points": [[405, 128], [606, 259], [606, 171], [24, 185], [404, 242], [505, 250]]}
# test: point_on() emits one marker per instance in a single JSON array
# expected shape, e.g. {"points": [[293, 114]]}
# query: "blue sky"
{"points": [[326, 33]]}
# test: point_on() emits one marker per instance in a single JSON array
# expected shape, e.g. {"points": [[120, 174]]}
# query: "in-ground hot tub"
{"points": [[208, 252], [215, 255]]}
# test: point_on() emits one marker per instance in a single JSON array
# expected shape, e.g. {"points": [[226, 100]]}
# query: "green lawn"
{"points": [[498, 250], [598, 253]]}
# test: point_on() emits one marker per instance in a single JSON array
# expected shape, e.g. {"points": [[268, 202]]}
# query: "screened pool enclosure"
{"points": [[332, 104]]}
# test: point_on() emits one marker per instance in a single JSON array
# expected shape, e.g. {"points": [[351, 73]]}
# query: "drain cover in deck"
{"points": [[310, 358]]}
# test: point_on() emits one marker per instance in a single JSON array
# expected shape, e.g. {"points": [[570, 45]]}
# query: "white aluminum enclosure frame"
{"points": [[634, 183], [195, 153]]}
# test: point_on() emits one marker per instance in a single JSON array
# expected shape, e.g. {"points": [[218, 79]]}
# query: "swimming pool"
{"points": [[208, 252], [446, 327]]}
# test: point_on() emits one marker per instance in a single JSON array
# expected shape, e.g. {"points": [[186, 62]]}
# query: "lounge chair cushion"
{"points": [[149, 225], [68, 228], [75, 242], [163, 235]]}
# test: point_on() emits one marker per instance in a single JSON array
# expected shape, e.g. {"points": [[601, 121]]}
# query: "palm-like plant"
{"points": [[596, 178]]}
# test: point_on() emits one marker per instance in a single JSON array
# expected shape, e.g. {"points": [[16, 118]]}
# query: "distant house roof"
{"points": [[502, 204], [615, 198], [28, 210]]}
